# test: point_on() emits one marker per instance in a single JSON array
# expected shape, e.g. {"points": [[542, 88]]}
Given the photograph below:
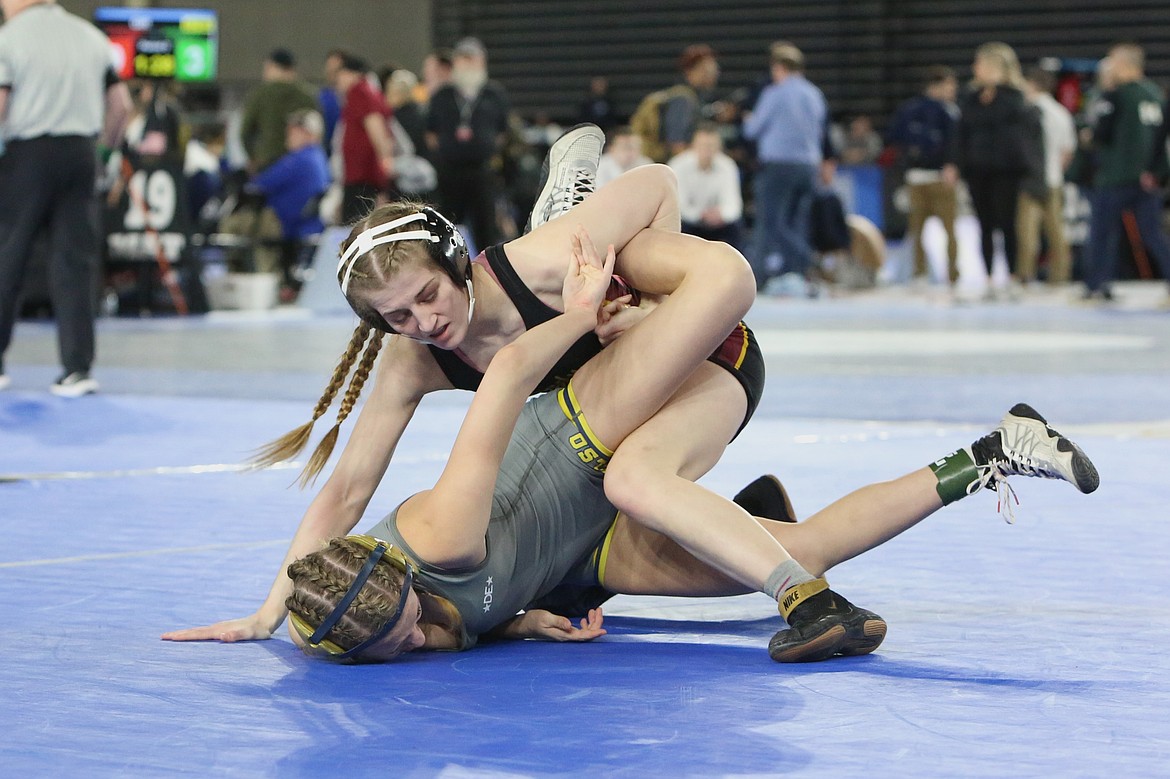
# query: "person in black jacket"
{"points": [[993, 157], [466, 125]]}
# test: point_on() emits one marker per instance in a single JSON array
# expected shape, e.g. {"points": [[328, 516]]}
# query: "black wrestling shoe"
{"points": [[766, 497], [822, 624]]}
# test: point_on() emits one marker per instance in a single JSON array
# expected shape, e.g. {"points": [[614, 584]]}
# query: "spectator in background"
{"points": [[399, 89], [993, 156], [293, 187], [281, 201], [55, 100], [789, 125], [623, 152], [328, 101], [1158, 169], [466, 127], [1047, 211], [1129, 119], [436, 74], [1084, 163], [295, 181], [367, 154], [153, 129], [203, 168], [861, 144], [923, 133], [687, 107], [268, 107], [710, 201], [597, 108]]}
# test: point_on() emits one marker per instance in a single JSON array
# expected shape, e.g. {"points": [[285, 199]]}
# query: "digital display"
{"points": [[162, 43]]}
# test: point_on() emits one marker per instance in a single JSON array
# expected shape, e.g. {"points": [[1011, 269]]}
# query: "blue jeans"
{"points": [[1108, 203], [783, 198]]}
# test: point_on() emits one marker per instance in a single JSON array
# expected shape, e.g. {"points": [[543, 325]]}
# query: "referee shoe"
{"points": [[74, 385]]}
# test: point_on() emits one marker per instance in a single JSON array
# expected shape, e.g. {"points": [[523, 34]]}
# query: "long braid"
{"points": [[324, 449], [291, 443]]}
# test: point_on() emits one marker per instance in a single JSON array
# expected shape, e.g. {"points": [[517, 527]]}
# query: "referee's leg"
{"points": [[24, 193], [75, 253]]}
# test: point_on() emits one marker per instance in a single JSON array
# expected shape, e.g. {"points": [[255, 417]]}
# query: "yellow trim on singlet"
{"points": [[584, 442], [572, 409], [603, 554], [744, 348]]}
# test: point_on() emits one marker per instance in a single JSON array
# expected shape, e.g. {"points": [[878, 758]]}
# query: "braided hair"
{"points": [[321, 579]]}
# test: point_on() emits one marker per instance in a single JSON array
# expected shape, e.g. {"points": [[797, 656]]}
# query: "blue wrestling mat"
{"points": [[1036, 649]]}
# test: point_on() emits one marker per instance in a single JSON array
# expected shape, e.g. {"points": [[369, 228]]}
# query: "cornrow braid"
{"points": [[324, 449], [321, 579], [291, 443]]}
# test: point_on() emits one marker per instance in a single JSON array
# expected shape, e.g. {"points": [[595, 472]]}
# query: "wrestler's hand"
{"points": [[542, 624], [247, 629], [588, 277], [617, 316]]}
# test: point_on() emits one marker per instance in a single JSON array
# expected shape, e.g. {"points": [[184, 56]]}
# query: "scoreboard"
{"points": [[162, 43]]}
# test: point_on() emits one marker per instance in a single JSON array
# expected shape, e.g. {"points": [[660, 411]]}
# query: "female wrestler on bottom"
{"points": [[402, 273], [509, 520]]}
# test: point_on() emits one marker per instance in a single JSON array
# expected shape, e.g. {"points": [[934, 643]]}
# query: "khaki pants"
{"points": [[1033, 214], [262, 231], [927, 200]]}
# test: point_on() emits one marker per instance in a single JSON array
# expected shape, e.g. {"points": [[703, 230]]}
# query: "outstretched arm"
{"points": [[405, 374], [446, 525]]}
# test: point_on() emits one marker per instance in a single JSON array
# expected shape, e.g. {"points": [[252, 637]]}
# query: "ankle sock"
{"points": [[786, 575]]}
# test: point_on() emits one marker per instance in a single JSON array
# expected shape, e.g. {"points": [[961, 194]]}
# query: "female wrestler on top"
{"points": [[453, 317], [510, 519]]}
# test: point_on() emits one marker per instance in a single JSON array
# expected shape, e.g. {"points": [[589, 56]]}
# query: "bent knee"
{"points": [[737, 276], [630, 484]]}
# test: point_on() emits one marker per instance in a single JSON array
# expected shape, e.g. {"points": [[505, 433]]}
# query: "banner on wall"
{"points": [[151, 214]]}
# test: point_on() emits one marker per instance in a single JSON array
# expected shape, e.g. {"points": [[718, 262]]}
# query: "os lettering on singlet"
{"points": [[587, 453]]}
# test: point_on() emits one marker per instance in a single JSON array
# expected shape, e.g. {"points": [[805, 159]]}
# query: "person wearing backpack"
{"points": [[923, 133], [665, 120]]}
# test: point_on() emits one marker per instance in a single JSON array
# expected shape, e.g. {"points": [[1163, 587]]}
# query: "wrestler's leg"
{"points": [[641, 561], [651, 477], [645, 197]]}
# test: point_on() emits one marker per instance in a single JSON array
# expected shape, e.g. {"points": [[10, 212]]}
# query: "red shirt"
{"points": [[362, 165]]}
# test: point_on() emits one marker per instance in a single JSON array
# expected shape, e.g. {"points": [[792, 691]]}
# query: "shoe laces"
{"points": [[1026, 454], [580, 185], [993, 476], [584, 184]]}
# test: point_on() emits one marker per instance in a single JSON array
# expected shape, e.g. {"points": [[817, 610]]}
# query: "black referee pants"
{"points": [[49, 182]]}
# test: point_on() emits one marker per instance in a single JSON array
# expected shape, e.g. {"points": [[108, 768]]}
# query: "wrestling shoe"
{"points": [[568, 174], [822, 624], [73, 385], [5, 382], [766, 497], [1024, 445]]}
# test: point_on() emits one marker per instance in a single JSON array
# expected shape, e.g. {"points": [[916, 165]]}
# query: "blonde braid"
{"points": [[324, 449], [291, 443]]}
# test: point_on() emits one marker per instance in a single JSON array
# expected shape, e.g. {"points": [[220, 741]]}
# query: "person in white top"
{"points": [[623, 151], [710, 199], [1060, 142]]}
